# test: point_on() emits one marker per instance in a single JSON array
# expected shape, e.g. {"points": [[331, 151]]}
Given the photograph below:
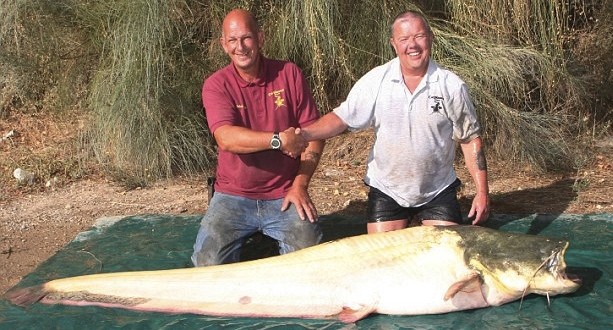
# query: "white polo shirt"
{"points": [[412, 157]]}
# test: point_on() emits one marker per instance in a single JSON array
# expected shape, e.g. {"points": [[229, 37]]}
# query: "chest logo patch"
{"points": [[438, 103], [279, 100]]}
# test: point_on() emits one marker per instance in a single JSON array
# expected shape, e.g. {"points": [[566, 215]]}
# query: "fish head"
{"points": [[550, 278], [513, 265]]}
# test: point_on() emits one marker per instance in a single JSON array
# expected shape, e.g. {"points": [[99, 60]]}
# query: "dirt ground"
{"points": [[36, 223]]}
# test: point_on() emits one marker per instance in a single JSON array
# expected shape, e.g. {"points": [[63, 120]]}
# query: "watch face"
{"points": [[275, 143]]}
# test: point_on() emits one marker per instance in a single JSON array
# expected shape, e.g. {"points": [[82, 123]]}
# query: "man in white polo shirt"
{"points": [[419, 111]]}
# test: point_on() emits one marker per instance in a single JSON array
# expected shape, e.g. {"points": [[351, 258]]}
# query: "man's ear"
{"points": [[261, 38], [223, 44]]}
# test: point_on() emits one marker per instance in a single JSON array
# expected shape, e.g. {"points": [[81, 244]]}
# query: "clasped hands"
{"points": [[293, 143]]}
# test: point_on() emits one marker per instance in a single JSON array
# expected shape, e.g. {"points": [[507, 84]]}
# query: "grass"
{"points": [[135, 69]]}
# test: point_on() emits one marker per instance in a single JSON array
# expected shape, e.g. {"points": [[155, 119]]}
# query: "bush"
{"points": [[137, 66]]}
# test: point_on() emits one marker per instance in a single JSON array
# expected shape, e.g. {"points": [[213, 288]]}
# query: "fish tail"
{"points": [[26, 296]]}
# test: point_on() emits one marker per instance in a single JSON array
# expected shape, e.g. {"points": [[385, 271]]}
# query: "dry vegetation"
{"points": [[36, 221]]}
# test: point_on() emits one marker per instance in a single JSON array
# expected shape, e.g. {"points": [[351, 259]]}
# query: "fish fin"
{"points": [[469, 283], [350, 315], [26, 296]]}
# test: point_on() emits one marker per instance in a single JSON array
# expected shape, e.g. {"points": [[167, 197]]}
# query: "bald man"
{"points": [[253, 107]]}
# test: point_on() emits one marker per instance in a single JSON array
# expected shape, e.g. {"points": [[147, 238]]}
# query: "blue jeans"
{"points": [[230, 220]]}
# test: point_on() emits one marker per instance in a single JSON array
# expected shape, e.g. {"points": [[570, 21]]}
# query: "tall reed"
{"points": [[137, 66], [142, 129]]}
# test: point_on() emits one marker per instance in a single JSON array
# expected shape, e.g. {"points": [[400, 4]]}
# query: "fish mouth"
{"points": [[563, 276], [573, 278]]}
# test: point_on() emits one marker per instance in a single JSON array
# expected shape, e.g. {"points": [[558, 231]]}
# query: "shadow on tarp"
{"points": [[165, 241], [555, 197]]}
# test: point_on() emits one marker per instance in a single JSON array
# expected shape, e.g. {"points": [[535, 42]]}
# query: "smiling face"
{"points": [[242, 40], [412, 42]]}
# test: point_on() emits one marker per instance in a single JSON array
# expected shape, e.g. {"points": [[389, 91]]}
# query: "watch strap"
{"points": [[275, 141]]}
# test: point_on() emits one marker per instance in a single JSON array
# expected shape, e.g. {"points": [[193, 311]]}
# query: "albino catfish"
{"points": [[419, 270]]}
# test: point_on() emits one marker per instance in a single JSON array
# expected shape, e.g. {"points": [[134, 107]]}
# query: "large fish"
{"points": [[419, 270]]}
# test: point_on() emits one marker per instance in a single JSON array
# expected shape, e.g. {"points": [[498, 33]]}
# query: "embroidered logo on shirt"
{"points": [[279, 100], [438, 100]]}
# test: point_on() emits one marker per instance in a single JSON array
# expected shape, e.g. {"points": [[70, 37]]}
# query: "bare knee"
{"points": [[378, 227], [438, 223]]}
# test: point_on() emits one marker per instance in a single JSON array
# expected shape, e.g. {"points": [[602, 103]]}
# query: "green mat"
{"points": [[165, 241]]}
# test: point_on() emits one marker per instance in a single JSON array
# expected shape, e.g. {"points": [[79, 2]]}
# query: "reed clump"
{"points": [[136, 68]]}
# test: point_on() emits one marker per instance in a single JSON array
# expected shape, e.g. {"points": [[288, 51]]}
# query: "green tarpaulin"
{"points": [[165, 241]]}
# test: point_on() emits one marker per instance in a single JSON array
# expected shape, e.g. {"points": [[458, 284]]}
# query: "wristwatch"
{"points": [[275, 142]]}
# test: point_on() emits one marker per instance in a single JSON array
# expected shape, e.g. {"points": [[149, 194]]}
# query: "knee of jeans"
{"points": [[199, 256], [216, 245], [196, 261], [201, 260], [304, 234], [211, 256]]}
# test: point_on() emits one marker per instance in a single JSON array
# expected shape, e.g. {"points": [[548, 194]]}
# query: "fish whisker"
{"points": [[523, 294]]}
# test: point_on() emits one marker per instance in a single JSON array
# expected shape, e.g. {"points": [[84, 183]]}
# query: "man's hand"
{"points": [[292, 142], [480, 209], [299, 196]]}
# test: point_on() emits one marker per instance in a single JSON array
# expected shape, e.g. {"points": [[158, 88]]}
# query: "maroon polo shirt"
{"points": [[279, 100]]}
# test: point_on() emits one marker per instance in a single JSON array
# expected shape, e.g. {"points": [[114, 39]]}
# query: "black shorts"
{"points": [[444, 206]]}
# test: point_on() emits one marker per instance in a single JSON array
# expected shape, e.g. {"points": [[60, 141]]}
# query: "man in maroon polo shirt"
{"points": [[253, 107]]}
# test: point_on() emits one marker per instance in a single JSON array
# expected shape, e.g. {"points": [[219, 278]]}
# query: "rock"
{"points": [[8, 135], [51, 183], [23, 176]]}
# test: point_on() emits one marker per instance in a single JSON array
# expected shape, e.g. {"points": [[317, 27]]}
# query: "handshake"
{"points": [[293, 142]]}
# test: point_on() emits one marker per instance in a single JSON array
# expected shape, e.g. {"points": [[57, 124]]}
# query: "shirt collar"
{"points": [[396, 73], [260, 81], [433, 73]]}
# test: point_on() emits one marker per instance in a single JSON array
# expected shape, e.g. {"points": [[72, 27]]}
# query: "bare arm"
{"points": [[474, 158], [241, 140], [298, 193], [325, 127]]}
